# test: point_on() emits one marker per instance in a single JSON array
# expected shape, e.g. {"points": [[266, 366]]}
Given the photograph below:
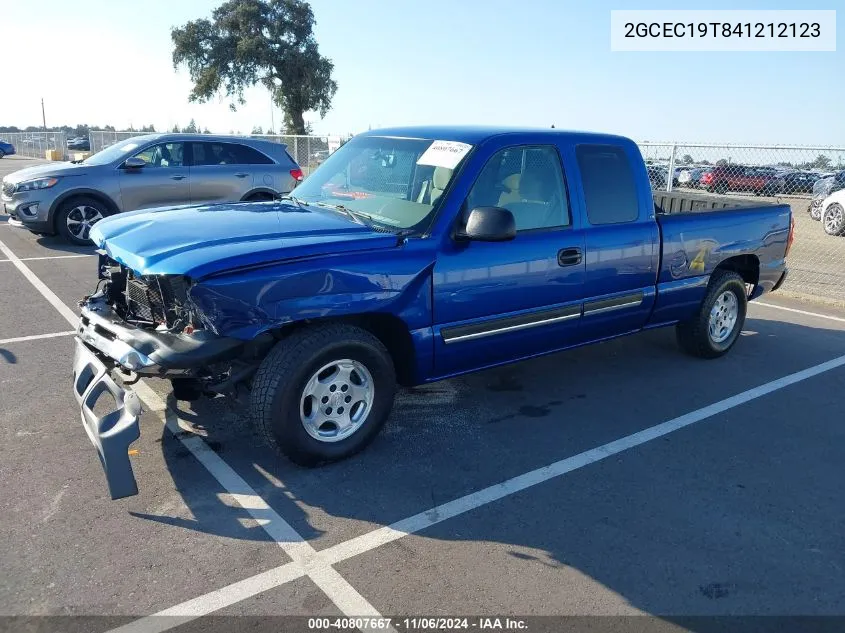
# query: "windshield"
{"points": [[114, 152], [394, 182]]}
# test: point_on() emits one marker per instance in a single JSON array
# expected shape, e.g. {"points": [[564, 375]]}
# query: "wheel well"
{"points": [[104, 200], [746, 266], [257, 196], [389, 329]]}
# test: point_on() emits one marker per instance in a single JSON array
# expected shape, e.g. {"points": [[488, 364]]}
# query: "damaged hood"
{"points": [[198, 241]]}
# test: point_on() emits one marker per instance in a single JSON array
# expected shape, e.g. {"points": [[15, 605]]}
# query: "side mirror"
{"points": [[489, 224], [133, 162]]}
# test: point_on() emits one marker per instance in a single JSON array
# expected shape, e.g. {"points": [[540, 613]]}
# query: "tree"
{"points": [[687, 159], [175, 129], [291, 128], [257, 130], [206, 131], [706, 162], [821, 162], [247, 42], [191, 128], [149, 129], [721, 162]]}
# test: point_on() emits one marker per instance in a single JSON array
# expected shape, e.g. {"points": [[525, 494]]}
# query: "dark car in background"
{"points": [[797, 182], [79, 143], [6, 149], [144, 172], [657, 176]]}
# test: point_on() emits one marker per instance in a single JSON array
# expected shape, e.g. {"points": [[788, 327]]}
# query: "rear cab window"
{"points": [[610, 191]]}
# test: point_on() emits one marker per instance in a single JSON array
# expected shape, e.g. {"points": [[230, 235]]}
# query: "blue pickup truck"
{"points": [[409, 256]]}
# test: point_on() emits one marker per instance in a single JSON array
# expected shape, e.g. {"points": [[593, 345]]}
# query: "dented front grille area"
{"points": [[144, 301]]}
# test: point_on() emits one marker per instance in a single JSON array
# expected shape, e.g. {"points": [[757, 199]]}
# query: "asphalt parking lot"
{"points": [[618, 479]]}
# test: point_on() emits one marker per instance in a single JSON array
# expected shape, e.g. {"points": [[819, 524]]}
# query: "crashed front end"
{"points": [[135, 326]]}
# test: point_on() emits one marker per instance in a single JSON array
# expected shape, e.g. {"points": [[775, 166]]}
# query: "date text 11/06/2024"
{"points": [[490, 623]]}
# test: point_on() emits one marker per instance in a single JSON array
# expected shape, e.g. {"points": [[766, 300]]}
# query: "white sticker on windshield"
{"points": [[128, 147], [444, 154]]}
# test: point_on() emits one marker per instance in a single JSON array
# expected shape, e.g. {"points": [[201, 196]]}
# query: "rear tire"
{"points": [[311, 429], [715, 329], [2, 153], [834, 220], [76, 217]]}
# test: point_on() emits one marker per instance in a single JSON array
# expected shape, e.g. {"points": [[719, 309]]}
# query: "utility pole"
{"points": [[272, 115], [43, 118]]}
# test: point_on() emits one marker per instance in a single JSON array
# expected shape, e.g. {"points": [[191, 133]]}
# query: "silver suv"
{"points": [[144, 172]]}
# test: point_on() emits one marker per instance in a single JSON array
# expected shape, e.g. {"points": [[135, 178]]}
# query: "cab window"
{"points": [[528, 182]]}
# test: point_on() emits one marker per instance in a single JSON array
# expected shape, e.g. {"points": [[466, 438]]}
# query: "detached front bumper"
{"points": [[106, 344], [111, 434]]}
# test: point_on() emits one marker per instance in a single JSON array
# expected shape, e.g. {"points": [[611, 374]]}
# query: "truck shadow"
{"points": [[718, 536]]}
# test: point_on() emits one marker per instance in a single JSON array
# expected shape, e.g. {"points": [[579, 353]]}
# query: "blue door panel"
{"points": [[485, 284]]}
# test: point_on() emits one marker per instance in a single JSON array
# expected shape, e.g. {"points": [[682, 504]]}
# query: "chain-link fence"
{"points": [[308, 150], [101, 139], [799, 176], [36, 144]]}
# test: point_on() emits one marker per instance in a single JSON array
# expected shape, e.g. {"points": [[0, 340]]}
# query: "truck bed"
{"points": [[698, 232], [669, 203]]}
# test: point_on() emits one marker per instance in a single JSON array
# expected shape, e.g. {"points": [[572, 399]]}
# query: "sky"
{"points": [[408, 62]]}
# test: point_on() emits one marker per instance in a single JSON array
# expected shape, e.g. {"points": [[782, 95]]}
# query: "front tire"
{"points": [[323, 393], [834, 220], [76, 217], [2, 153], [715, 329]]}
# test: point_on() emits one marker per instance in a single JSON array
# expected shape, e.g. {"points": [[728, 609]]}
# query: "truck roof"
{"points": [[476, 134]]}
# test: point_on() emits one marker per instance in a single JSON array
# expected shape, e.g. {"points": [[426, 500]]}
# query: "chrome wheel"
{"points": [[723, 316], [80, 220], [834, 220], [336, 400]]}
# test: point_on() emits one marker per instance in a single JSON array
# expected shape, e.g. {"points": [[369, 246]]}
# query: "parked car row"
{"points": [[765, 181], [145, 172]]}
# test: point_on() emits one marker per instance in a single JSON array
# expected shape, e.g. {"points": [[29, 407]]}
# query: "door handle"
{"points": [[241, 175], [569, 256], [177, 177]]}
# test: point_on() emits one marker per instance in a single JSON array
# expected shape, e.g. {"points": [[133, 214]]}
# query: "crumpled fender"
{"points": [[243, 304]]}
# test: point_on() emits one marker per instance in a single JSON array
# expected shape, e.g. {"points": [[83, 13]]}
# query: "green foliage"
{"points": [[687, 159], [191, 128], [247, 42], [821, 162], [721, 162]]}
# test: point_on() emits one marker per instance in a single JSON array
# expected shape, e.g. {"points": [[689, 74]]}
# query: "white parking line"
{"points": [[241, 590], [35, 337], [69, 315], [318, 565], [32, 259], [340, 592], [804, 312]]}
